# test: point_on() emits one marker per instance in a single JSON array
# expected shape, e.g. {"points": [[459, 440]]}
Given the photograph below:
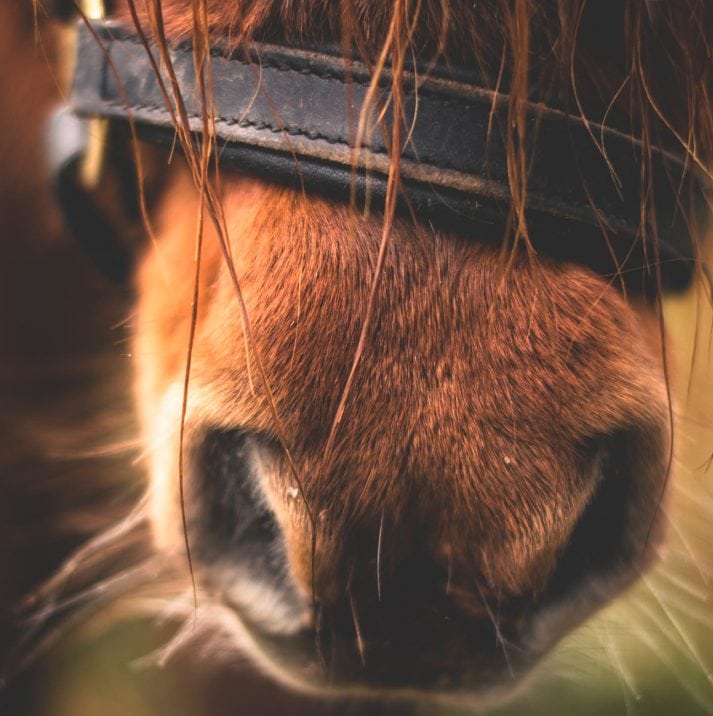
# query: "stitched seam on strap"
{"points": [[313, 136], [613, 135], [280, 65], [255, 124], [283, 65]]}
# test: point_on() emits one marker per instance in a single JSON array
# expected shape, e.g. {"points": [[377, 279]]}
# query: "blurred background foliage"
{"points": [[63, 333]]}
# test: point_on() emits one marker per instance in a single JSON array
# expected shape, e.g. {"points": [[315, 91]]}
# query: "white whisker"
{"points": [[95, 550], [703, 700], [683, 584], [623, 674], [694, 559], [693, 650]]}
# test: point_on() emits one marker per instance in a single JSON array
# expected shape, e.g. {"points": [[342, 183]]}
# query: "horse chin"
{"points": [[284, 645], [294, 662]]}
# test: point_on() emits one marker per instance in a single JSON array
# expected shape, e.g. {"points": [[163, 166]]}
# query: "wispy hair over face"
{"points": [[396, 456]]}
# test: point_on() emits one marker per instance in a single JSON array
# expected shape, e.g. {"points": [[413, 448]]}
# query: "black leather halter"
{"points": [[293, 116]]}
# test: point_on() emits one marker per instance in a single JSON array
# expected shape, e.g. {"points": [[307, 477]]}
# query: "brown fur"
{"points": [[473, 403], [482, 397]]}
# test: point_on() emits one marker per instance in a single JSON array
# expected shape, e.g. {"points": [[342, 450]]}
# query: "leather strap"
{"points": [[292, 115]]}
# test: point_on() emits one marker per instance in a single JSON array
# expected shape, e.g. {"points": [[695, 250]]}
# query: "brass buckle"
{"points": [[93, 9], [98, 129], [88, 191]]}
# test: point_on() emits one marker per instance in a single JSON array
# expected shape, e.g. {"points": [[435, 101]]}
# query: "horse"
{"points": [[395, 448]]}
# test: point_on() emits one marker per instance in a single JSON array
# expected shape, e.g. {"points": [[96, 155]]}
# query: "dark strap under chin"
{"points": [[292, 115]]}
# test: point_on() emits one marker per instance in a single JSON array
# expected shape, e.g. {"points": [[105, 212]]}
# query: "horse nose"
{"points": [[439, 590]]}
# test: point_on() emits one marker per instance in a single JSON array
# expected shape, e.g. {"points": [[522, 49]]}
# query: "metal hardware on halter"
{"points": [[96, 134], [67, 9], [98, 126], [76, 151]]}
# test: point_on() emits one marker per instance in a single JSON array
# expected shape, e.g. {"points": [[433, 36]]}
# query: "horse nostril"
{"points": [[232, 510], [610, 539], [234, 533]]}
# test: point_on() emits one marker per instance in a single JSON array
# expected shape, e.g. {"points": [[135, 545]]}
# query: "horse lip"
{"points": [[298, 655]]}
